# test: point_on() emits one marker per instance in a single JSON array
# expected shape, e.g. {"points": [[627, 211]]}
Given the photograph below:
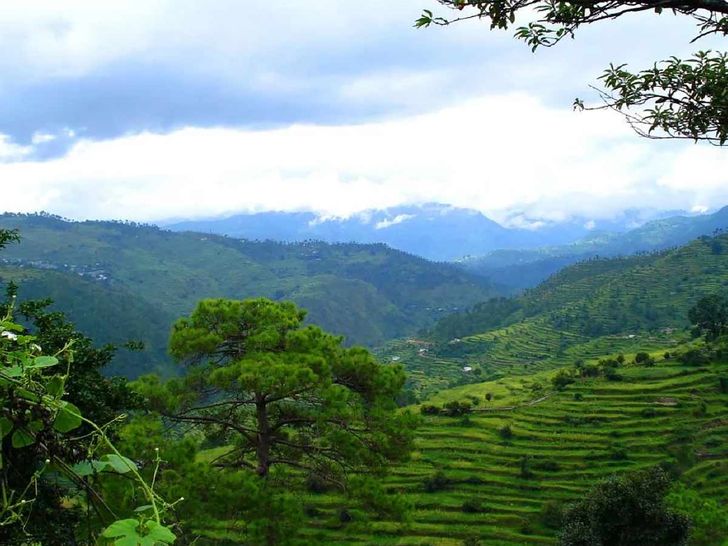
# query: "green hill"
{"points": [[120, 281], [469, 478], [520, 269], [595, 307], [608, 296]]}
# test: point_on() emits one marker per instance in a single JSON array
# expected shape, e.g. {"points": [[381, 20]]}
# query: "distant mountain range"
{"points": [[523, 268], [119, 281], [434, 231]]}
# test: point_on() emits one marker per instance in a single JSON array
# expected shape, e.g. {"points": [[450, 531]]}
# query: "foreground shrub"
{"points": [[627, 510]]}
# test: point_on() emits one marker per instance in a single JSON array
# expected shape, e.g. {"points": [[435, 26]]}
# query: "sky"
{"points": [[150, 110]]}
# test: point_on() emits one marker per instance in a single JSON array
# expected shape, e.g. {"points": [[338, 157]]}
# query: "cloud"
{"points": [[127, 66], [509, 156], [383, 224]]}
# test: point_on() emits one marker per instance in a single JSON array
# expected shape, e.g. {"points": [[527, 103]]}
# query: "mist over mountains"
{"points": [[434, 231]]}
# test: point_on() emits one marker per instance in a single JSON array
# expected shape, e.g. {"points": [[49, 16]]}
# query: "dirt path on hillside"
{"points": [[511, 408]]}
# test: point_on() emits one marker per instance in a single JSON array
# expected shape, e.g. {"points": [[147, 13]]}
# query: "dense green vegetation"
{"points": [[520, 269], [603, 296], [59, 415], [589, 309], [145, 278], [605, 387], [503, 471]]}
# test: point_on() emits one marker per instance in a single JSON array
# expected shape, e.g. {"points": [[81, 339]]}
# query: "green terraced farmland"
{"points": [[523, 348], [569, 440]]}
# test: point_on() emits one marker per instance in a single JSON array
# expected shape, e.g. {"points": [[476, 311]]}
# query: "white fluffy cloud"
{"points": [[502, 155]]}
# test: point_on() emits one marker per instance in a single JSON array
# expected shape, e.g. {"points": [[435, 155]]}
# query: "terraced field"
{"points": [[523, 348], [562, 442], [607, 297]]}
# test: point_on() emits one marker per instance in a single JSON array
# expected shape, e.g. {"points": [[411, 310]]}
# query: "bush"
{"points": [[311, 511], [552, 514], [590, 370], [642, 357], [472, 506], [612, 375], [525, 468], [723, 385], [456, 408], [505, 432], [465, 421], [701, 410], [648, 412], [437, 482], [626, 511], [709, 519], [695, 357], [578, 396], [561, 380], [429, 409], [549, 466], [618, 454], [609, 363]]}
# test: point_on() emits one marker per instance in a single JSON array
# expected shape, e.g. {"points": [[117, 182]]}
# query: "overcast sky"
{"points": [[157, 109]]}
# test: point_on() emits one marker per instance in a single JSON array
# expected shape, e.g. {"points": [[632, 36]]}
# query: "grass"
{"points": [[571, 438], [522, 349]]}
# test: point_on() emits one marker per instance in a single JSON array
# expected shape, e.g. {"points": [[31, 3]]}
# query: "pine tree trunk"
{"points": [[263, 448]]}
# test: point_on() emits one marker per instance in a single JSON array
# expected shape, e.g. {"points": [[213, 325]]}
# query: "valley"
{"points": [[524, 403]]}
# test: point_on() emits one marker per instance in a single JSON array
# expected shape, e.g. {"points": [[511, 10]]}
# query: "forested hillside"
{"points": [[595, 307], [608, 295], [122, 280], [526, 403], [524, 268]]}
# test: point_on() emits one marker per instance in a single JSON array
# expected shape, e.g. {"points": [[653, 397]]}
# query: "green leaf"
{"points": [[28, 395], [35, 425], [122, 531], [126, 532], [118, 464], [43, 362], [87, 468], [11, 326], [68, 418], [22, 438], [55, 386], [159, 533], [6, 425], [12, 371]]}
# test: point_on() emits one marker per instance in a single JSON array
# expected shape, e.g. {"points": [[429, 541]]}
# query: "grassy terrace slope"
{"points": [[588, 309], [369, 293], [520, 349], [609, 296], [654, 415]]}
